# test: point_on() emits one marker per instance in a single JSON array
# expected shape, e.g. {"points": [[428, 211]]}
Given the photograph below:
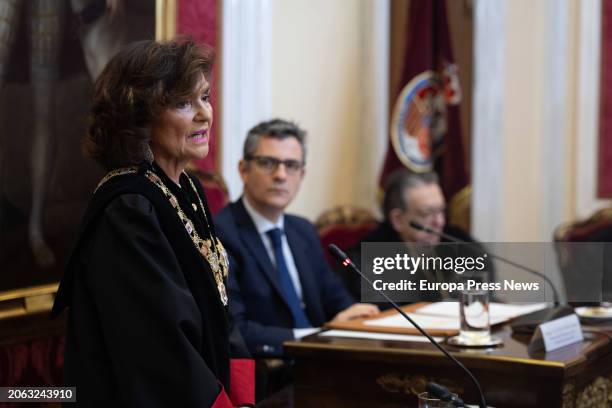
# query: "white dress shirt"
{"points": [[263, 225]]}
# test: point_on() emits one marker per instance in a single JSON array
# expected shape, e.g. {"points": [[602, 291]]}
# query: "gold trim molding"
{"points": [[459, 208], [23, 301], [166, 12], [395, 383], [596, 394]]}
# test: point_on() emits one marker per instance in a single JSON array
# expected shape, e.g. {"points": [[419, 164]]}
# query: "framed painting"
{"points": [[50, 53]]}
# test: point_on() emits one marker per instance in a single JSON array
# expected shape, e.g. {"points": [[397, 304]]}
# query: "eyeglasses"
{"points": [[429, 212], [270, 164]]}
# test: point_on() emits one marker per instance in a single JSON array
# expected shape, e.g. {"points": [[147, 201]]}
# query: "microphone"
{"points": [[347, 263], [421, 227], [443, 394]]}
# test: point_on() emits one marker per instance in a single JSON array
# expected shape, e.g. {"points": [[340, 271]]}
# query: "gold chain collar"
{"points": [[213, 252]]}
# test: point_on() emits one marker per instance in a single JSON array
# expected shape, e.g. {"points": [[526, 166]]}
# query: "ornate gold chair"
{"points": [[345, 226], [596, 228], [586, 270]]}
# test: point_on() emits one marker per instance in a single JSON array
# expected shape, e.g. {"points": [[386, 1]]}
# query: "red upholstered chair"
{"points": [[215, 188], [345, 226], [596, 228], [576, 263], [31, 352]]}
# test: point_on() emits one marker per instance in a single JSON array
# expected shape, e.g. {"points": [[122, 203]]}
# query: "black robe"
{"points": [[146, 326]]}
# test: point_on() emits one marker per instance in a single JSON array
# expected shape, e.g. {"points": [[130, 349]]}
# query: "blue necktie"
{"points": [[299, 317]]}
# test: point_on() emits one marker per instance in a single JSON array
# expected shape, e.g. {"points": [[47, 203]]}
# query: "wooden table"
{"points": [[348, 372]]}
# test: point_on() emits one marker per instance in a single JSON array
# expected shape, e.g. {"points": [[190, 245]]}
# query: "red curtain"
{"points": [[199, 19], [604, 182], [32, 363], [422, 146]]}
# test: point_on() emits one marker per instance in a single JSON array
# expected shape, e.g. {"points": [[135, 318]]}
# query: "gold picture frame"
{"points": [[165, 19]]}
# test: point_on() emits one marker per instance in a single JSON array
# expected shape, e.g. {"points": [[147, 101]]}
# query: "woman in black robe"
{"points": [[145, 285]]}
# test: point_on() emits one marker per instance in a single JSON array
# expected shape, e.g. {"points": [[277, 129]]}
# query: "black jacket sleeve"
{"points": [[148, 319]]}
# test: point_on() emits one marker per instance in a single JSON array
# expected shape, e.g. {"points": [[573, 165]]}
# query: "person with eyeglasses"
{"points": [[408, 196], [416, 197], [280, 287]]}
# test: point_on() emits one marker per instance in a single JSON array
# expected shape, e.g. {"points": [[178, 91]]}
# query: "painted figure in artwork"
{"points": [[101, 28]]}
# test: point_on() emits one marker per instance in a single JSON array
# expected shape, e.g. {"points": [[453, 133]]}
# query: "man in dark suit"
{"points": [[280, 286], [408, 197]]}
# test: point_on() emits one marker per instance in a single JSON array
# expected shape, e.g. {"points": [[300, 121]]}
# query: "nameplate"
{"points": [[557, 333]]}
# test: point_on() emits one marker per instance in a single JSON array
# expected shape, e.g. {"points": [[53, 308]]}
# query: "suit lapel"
{"points": [[252, 242]]}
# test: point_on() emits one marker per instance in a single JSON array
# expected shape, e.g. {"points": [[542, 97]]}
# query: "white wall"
{"points": [[522, 120], [317, 83], [535, 116], [327, 70], [324, 64]]}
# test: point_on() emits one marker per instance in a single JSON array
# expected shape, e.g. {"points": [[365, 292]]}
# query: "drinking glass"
{"points": [[474, 317]]}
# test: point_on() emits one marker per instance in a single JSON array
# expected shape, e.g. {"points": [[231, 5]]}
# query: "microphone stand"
{"points": [[346, 262], [424, 228]]}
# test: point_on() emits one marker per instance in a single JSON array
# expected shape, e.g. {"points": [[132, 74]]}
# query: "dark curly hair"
{"points": [[136, 85]]}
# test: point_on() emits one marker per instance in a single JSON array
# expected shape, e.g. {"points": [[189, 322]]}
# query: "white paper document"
{"points": [[425, 321], [376, 336], [498, 310], [445, 315]]}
